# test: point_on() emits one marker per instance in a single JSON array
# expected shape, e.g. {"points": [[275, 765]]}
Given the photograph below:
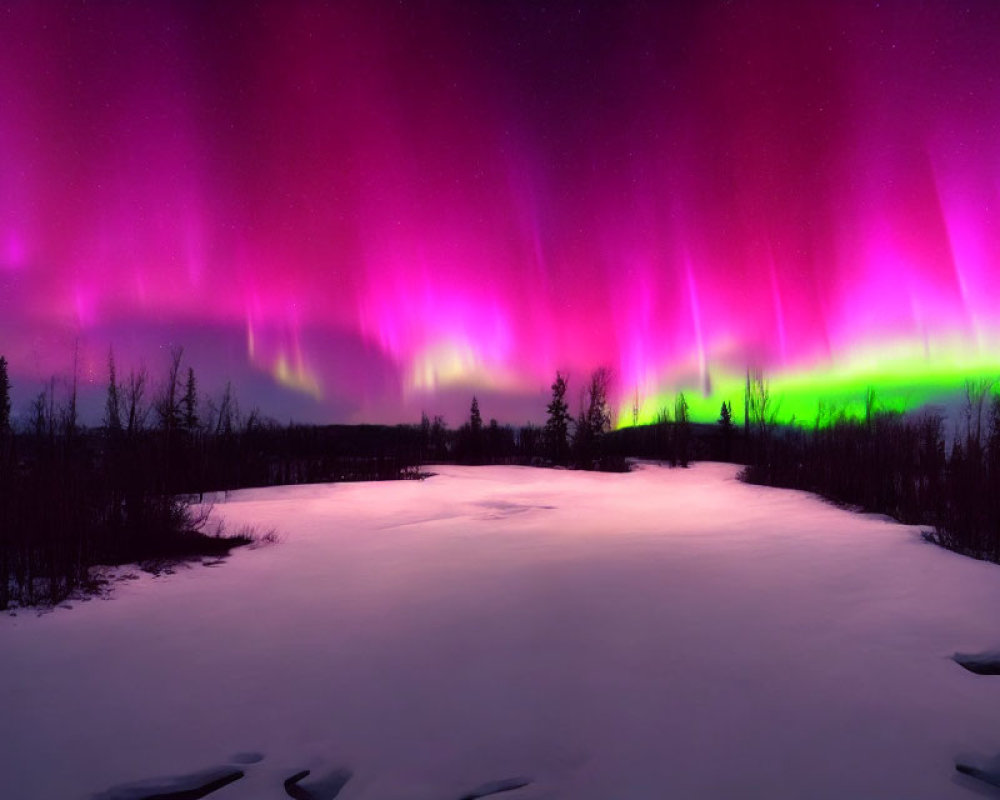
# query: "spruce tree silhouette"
{"points": [[557, 424], [189, 403], [475, 433], [727, 430], [682, 430]]}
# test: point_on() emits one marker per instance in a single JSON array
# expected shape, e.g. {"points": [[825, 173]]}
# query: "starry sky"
{"points": [[358, 211]]}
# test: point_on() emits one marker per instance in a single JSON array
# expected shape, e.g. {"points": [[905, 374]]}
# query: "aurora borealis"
{"points": [[360, 210]]}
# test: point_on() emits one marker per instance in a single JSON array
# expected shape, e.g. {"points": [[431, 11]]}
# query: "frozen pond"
{"points": [[665, 633]]}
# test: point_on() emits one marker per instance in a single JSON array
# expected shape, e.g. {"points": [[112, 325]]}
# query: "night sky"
{"points": [[358, 211]]}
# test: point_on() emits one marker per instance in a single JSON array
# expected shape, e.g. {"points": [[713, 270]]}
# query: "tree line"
{"points": [[587, 439], [565, 440], [129, 490], [891, 463], [73, 497]]}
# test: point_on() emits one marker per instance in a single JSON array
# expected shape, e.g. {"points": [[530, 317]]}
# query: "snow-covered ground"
{"points": [[665, 633]]}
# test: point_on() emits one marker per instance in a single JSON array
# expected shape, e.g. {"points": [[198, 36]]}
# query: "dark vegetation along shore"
{"points": [[892, 463], [888, 462], [130, 490]]}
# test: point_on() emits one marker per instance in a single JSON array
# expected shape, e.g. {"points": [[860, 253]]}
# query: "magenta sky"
{"points": [[359, 210]]}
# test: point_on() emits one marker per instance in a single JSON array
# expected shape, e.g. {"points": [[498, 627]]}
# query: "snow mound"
{"points": [[325, 788], [182, 787], [987, 663], [496, 787]]}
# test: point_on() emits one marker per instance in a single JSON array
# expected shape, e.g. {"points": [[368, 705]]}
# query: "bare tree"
{"points": [[70, 414], [224, 413], [594, 419], [762, 409], [168, 406], [976, 393], [252, 421], [113, 404], [50, 411], [37, 416], [135, 401], [599, 409]]}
